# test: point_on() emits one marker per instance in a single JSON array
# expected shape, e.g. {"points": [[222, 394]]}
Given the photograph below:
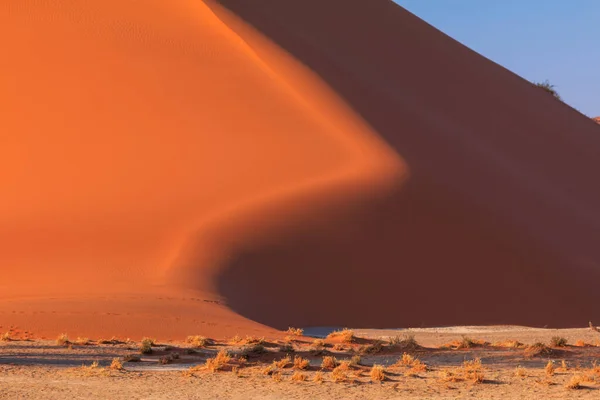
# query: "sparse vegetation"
{"points": [[407, 342], [82, 341], [575, 382], [548, 87], [254, 350], [284, 362], [116, 365], [146, 346], [5, 337], [558, 341], [301, 363], [198, 341], [537, 350], [218, 362], [62, 340], [473, 370], [286, 348], [373, 348], [318, 377], [329, 362], [346, 335], [295, 331], [299, 376], [132, 358]]}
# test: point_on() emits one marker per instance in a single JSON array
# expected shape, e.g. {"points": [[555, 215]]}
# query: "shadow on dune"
{"points": [[498, 220]]}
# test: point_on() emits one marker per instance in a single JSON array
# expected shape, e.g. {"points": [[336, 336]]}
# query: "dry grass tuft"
{"points": [[295, 331], [449, 376], [62, 340], [236, 340], [538, 350], [374, 348], [340, 373], [218, 362], [575, 382], [346, 335], [5, 337], [116, 365], [318, 344], [355, 361], [563, 366], [253, 350], [377, 373], [198, 341], [581, 343], [558, 341], [254, 340], [549, 368], [473, 370], [277, 376], [299, 377], [329, 362], [318, 377], [407, 342], [301, 363], [284, 362], [520, 372]]}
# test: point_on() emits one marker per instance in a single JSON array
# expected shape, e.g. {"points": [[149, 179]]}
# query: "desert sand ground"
{"points": [[43, 369]]}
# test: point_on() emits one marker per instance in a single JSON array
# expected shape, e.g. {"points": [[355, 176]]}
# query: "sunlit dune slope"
{"points": [[500, 218], [131, 132]]}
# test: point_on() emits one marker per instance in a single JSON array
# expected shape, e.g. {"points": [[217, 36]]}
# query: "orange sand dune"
{"points": [[220, 167]]}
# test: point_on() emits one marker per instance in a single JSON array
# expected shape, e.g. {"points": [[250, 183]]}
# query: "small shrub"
{"points": [[146, 346], [537, 350], [329, 362], [254, 350], [82, 341], [301, 363], [346, 335], [219, 361], [318, 344], [340, 373], [299, 376], [377, 373], [151, 341], [339, 347], [449, 376], [373, 348], [5, 337], [548, 87], [406, 342], [254, 340], [277, 376], [295, 331], [558, 341], [473, 370], [236, 340], [62, 340]]}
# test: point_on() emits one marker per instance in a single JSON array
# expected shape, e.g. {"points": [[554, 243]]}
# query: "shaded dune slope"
{"points": [[500, 218]]}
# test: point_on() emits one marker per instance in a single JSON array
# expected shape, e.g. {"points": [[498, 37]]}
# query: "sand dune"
{"points": [[211, 167]]}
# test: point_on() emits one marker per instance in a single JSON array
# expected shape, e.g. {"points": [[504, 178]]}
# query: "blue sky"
{"points": [[558, 40]]}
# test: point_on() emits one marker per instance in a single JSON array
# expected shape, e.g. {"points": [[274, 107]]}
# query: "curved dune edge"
{"points": [[178, 295]]}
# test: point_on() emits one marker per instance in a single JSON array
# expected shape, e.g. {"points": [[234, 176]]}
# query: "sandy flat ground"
{"points": [[41, 369]]}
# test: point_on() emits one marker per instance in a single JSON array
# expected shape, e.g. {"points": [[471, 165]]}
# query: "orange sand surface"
{"points": [[186, 166]]}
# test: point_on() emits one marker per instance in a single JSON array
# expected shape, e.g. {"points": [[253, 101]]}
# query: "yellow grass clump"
{"points": [[538, 350], [62, 340], [340, 373], [218, 362], [5, 337], [377, 373], [318, 378], [198, 341], [346, 335], [295, 331], [575, 382], [329, 362], [284, 362], [520, 372], [473, 370], [116, 365], [301, 363], [558, 341], [146, 346], [299, 376]]}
